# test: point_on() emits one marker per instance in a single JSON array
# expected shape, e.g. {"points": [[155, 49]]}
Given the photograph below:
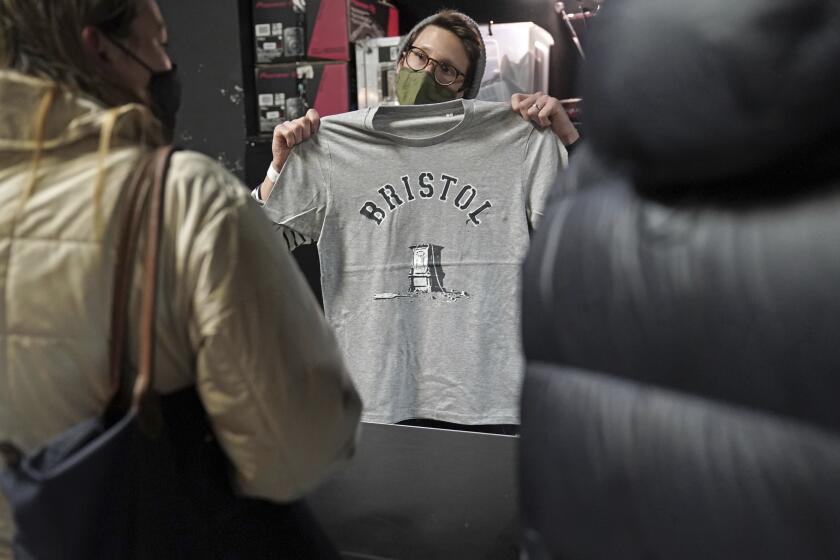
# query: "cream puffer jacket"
{"points": [[235, 315]]}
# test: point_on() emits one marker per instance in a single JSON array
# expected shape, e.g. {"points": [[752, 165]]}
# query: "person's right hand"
{"points": [[291, 133], [286, 136]]}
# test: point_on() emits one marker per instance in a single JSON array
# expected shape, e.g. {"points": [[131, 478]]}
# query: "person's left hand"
{"points": [[545, 111]]}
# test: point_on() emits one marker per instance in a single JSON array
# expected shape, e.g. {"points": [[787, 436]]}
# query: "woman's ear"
{"points": [[462, 91], [93, 43]]}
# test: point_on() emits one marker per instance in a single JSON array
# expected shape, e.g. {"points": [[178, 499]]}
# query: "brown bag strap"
{"points": [[145, 190], [146, 361], [137, 195], [145, 200]]}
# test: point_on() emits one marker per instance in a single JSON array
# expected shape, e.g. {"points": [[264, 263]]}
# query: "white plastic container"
{"points": [[517, 60]]}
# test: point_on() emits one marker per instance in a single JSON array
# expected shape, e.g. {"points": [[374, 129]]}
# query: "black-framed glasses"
{"points": [[445, 74]]}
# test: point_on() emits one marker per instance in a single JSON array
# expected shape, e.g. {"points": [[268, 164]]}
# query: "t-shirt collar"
{"points": [[398, 112]]}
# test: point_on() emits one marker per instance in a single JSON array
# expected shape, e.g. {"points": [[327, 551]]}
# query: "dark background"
{"points": [[212, 44], [207, 42]]}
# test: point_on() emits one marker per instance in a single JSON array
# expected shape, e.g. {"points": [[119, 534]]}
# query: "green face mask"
{"points": [[420, 88]]}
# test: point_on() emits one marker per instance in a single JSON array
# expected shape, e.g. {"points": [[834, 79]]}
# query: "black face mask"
{"points": [[164, 91]]}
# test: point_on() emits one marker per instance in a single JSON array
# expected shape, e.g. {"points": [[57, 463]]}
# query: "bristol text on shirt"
{"points": [[425, 189]]}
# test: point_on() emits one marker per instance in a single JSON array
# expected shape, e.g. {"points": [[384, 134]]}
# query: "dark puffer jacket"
{"points": [[682, 308]]}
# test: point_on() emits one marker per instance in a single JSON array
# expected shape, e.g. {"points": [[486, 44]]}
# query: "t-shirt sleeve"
{"points": [[292, 238], [545, 156], [300, 197], [255, 194]]}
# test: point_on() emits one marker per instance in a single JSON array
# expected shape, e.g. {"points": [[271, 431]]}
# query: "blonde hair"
{"points": [[42, 38]]}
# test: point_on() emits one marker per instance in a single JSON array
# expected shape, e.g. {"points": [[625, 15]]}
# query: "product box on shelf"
{"points": [[290, 30], [285, 92], [372, 18]]}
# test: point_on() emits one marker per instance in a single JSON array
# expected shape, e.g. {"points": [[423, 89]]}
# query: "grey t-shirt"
{"points": [[422, 214]]}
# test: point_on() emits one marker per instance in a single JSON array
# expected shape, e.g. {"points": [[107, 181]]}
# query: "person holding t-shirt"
{"points": [[422, 213], [442, 59]]}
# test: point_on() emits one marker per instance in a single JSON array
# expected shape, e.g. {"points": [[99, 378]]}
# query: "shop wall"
{"points": [[206, 43]]}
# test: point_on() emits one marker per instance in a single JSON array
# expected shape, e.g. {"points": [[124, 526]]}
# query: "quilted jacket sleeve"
{"points": [[268, 368]]}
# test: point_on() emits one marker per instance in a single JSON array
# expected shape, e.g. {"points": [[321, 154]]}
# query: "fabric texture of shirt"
{"points": [[422, 216]]}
